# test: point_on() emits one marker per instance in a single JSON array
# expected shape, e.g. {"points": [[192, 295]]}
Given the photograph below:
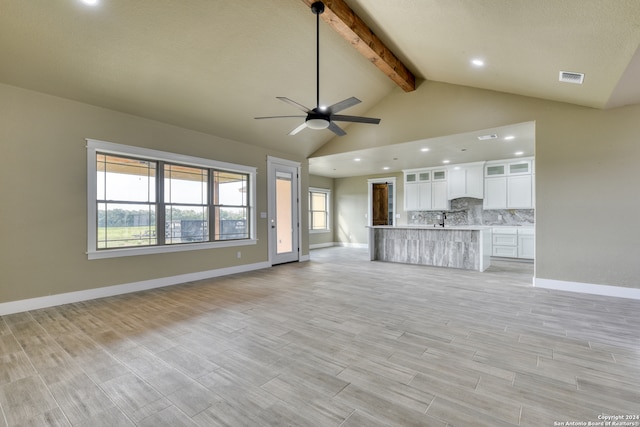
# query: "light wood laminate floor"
{"points": [[337, 341]]}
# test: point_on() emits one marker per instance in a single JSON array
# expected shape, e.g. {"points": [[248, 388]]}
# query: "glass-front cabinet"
{"points": [[520, 168], [495, 170], [439, 175], [425, 189]]}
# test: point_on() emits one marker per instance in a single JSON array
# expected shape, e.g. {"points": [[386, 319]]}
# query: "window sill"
{"points": [[149, 250], [319, 231]]}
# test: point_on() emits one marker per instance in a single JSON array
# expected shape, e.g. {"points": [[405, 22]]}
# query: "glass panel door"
{"points": [[284, 209], [283, 215]]}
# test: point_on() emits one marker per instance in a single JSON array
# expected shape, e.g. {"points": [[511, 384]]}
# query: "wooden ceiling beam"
{"points": [[353, 29]]}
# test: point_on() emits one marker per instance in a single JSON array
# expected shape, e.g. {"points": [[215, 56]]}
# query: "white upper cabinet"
{"points": [[520, 168], [439, 175], [502, 184], [457, 182], [495, 170], [475, 181], [411, 196], [508, 184], [519, 192], [425, 190], [439, 199], [466, 180], [417, 196], [495, 193]]}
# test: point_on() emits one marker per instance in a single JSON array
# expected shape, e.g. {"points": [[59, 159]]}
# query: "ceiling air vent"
{"points": [[485, 137], [570, 77]]}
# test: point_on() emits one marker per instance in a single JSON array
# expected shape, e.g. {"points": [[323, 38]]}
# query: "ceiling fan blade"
{"points": [[294, 103], [277, 117], [343, 105], [336, 129], [298, 129], [355, 119]]}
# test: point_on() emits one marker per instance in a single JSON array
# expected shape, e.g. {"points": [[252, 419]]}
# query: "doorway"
{"points": [[284, 210], [382, 201], [380, 204]]}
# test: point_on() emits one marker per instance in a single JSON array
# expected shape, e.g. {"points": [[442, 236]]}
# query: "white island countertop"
{"points": [[437, 227]]}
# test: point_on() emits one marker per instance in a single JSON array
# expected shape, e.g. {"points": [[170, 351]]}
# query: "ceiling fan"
{"points": [[323, 117]]}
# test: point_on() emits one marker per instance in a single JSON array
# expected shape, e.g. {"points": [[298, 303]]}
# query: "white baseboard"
{"points": [[108, 291], [353, 245], [345, 244], [587, 288], [322, 245]]}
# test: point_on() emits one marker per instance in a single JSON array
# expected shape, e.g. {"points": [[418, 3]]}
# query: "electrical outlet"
{"points": [[238, 254]]}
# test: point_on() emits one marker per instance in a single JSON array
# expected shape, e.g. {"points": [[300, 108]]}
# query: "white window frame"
{"points": [[327, 193], [94, 146]]}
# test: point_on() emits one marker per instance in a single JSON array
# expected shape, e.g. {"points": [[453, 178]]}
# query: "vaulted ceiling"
{"points": [[213, 66]]}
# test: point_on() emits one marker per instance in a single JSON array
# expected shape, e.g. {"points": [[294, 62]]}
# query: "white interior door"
{"points": [[284, 224]]}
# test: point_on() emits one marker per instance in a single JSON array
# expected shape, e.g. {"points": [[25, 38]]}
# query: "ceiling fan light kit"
{"points": [[323, 117], [319, 123]]}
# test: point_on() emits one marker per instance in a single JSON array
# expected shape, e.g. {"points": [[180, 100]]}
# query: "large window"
{"points": [[319, 209], [126, 201], [230, 204], [144, 201], [186, 204]]}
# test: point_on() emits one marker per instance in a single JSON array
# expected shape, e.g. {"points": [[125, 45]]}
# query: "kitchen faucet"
{"points": [[444, 216]]}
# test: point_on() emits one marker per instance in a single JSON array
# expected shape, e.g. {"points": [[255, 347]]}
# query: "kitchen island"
{"points": [[466, 247]]}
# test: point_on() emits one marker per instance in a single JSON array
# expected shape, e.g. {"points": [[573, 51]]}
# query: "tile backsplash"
{"points": [[469, 211]]}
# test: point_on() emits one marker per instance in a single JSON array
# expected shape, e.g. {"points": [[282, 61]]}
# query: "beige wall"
{"points": [[43, 206], [323, 239], [352, 205], [587, 173]]}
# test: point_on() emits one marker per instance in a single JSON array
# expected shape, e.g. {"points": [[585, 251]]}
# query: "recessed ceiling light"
{"points": [[446, 161], [509, 138], [90, 2], [477, 62], [357, 159], [519, 153], [486, 137], [424, 150], [386, 168]]}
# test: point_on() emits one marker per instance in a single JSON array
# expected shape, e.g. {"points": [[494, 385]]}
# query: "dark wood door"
{"points": [[380, 204]]}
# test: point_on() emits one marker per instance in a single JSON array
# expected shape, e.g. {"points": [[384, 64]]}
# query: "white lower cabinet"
{"points": [[505, 242], [526, 243], [505, 251], [513, 242]]}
